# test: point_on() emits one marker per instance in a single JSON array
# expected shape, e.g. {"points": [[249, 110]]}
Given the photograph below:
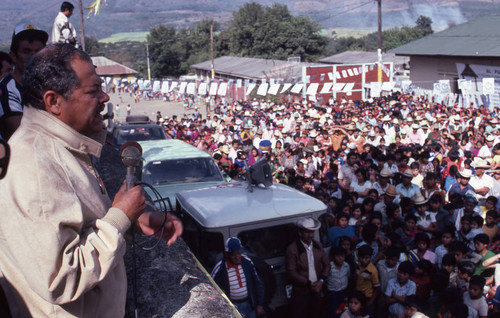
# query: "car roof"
{"points": [[167, 149], [231, 204]]}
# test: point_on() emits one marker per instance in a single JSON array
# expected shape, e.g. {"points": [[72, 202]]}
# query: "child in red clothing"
{"points": [[422, 279]]}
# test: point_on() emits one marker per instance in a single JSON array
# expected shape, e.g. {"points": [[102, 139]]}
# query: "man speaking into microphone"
{"points": [[61, 237]]}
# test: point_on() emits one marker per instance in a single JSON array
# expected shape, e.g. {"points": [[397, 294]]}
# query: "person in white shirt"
{"points": [[481, 182], [62, 30]]}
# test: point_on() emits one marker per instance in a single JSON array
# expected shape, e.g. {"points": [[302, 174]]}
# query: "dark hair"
{"points": [[425, 266], [67, 6], [449, 260], [5, 57], [359, 295], [413, 301], [50, 69], [423, 237], [25, 36], [406, 267], [365, 250], [482, 238], [457, 246], [478, 281], [492, 213], [337, 250], [411, 216], [479, 220], [392, 251], [466, 267]]}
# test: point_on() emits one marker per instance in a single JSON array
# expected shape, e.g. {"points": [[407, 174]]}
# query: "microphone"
{"points": [[131, 153]]}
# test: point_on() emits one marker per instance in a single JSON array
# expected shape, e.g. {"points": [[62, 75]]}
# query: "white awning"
{"points": [[297, 88], [250, 88], [312, 89], [213, 89], [182, 88], [202, 89], [338, 87], [348, 87], [164, 87], [262, 91], [222, 89], [173, 85], [156, 86], [387, 86], [273, 90], [286, 86], [327, 88], [191, 89]]}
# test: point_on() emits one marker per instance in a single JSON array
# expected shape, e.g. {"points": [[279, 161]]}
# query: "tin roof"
{"points": [[230, 204], [253, 68], [357, 57], [107, 67], [477, 38]]}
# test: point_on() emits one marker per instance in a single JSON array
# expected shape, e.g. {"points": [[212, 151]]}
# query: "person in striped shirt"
{"points": [[236, 276]]}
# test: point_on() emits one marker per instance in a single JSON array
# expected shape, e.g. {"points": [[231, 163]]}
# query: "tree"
{"points": [[92, 46], [271, 32], [424, 23]]}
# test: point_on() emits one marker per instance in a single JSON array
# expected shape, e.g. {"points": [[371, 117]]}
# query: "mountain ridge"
{"points": [[118, 16]]}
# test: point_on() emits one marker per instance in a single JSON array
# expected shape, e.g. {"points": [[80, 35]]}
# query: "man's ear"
{"points": [[52, 104]]}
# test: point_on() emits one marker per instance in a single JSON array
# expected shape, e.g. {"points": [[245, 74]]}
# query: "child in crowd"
{"points": [[356, 306], [465, 270], [342, 229], [408, 231], [421, 277], [367, 276], [490, 227], [413, 305], [338, 280], [400, 287], [481, 242], [474, 297], [355, 218], [388, 267], [446, 238], [448, 266], [422, 251]]}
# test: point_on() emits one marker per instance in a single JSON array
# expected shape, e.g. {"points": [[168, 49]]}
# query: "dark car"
{"points": [[136, 128]]}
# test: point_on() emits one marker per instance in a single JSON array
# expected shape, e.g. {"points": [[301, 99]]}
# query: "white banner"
{"points": [[182, 88], [488, 85], [156, 86], [202, 89], [173, 85], [222, 89], [327, 88], [273, 89], [286, 86], [191, 89], [262, 91], [297, 88], [250, 88], [164, 87], [213, 89], [312, 89]]}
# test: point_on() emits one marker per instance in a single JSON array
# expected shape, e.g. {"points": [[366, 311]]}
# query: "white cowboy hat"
{"points": [[309, 224]]}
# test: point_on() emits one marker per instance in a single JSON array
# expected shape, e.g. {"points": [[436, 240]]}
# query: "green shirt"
{"points": [[480, 268]]}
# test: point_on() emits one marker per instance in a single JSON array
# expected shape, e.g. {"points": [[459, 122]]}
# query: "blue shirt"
{"points": [[336, 232], [410, 288]]}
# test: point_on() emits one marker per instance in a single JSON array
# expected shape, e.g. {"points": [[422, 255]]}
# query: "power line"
{"points": [[348, 10]]}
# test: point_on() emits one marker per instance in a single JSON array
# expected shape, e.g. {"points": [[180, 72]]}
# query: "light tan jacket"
{"points": [[61, 243]]}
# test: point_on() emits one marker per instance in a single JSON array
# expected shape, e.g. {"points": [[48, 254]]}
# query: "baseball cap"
{"points": [[28, 31], [233, 244]]}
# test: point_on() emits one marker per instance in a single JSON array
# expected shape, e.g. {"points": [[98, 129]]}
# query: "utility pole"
{"points": [[379, 51], [147, 56], [82, 30], [212, 49]]}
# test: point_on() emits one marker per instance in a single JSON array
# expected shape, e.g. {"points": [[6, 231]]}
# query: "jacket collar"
{"points": [[73, 140]]}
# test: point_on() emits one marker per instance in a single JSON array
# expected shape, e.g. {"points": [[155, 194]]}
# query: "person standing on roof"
{"points": [[62, 30]]}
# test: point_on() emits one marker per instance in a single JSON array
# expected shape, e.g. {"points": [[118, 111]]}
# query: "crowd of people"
{"points": [[411, 187]]}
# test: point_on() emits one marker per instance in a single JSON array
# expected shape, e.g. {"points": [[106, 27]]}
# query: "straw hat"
{"points": [[391, 191], [479, 163], [308, 224], [385, 173], [418, 199], [407, 173], [465, 173]]}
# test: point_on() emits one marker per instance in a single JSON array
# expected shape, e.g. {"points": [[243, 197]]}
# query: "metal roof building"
{"points": [[233, 67], [107, 67], [448, 54], [356, 57]]}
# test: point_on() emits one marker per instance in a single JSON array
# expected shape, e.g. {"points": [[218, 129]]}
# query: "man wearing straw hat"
{"points": [[481, 182], [307, 266]]}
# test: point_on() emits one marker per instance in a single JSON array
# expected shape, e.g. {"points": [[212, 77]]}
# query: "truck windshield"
{"points": [[269, 242], [181, 171]]}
